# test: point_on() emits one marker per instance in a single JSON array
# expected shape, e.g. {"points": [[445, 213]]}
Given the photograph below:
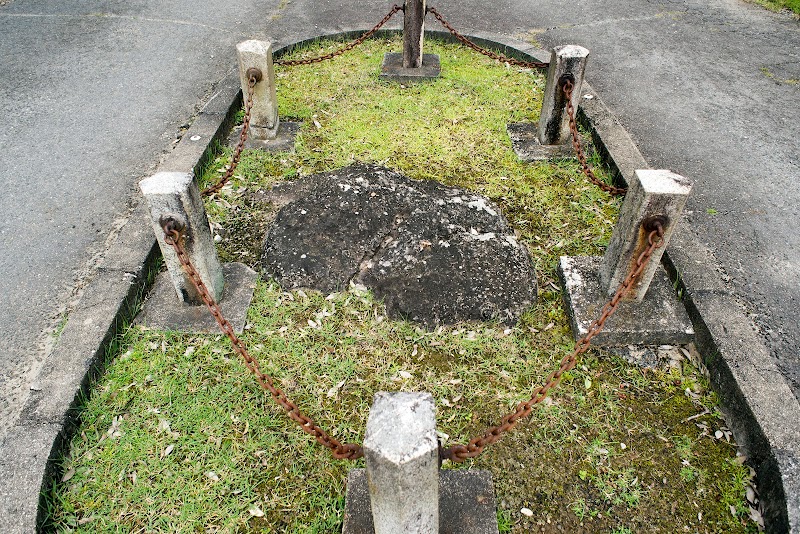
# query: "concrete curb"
{"points": [[761, 409]]}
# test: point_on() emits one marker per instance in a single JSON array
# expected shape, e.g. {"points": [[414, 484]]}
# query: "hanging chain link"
{"points": [[253, 77], [485, 52], [459, 453], [340, 51], [568, 87], [173, 236]]}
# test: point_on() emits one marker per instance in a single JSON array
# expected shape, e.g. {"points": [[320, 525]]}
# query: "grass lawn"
{"points": [[177, 437], [777, 5]]}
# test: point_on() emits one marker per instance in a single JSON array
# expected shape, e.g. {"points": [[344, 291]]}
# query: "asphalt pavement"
{"points": [[93, 94]]}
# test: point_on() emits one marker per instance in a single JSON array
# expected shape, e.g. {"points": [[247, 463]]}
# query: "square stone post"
{"points": [[651, 193], [412, 65], [402, 456], [175, 195], [264, 115], [565, 61], [651, 313], [413, 33]]}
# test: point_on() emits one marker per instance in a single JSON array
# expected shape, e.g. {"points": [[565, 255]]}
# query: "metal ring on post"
{"points": [[255, 73], [655, 222]]}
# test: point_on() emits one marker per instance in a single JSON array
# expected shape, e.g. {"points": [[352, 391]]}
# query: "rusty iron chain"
{"points": [[568, 87], [173, 236], [494, 55], [366, 35], [459, 453], [254, 76]]}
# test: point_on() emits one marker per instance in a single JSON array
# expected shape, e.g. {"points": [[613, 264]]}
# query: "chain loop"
{"points": [[568, 87], [485, 52], [254, 75], [173, 236], [347, 48], [459, 453]]}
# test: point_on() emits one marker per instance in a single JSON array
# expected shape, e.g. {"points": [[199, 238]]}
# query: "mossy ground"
{"points": [[177, 437]]}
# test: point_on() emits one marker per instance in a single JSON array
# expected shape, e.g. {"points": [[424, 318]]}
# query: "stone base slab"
{"points": [[392, 68], [660, 319], [528, 148], [283, 142], [466, 503], [164, 311]]}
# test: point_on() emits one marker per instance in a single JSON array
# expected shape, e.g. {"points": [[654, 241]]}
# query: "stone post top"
{"points": [[570, 51], [254, 46], [401, 426], [661, 181], [164, 183]]}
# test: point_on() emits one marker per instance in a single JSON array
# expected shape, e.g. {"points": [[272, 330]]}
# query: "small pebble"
{"points": [[217, 238], [527, 512]]}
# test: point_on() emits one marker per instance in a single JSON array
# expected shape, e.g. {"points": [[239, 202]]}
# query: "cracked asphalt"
{"points": [[93, 94]]}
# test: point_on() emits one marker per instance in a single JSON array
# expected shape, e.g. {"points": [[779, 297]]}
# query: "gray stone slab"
{"points": [[198, 140], [25, 466], [756, 400], [612, 140], [80, 352], [163, 311], [135, 247], [466, 503], [660, 319], [435, 254], [282, 142], [692, 264], [393, 69], [528, 148]]}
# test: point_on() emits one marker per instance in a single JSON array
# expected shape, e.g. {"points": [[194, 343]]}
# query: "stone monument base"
{"points": [[528, 148], [466, 503], [660, 319], [282, 142], [393, 69], [164, 311]]}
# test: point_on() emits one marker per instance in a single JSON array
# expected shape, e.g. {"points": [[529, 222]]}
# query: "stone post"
{"points": [[413, 33], [651, 193], [569, 60], [175, 194], [402, 457], [264, 116]]}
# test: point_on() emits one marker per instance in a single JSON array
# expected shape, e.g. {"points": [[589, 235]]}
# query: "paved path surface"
{"points": [[92, 95]]}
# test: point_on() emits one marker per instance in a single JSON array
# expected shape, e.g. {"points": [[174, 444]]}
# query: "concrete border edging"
{"points": [[760, 407]]}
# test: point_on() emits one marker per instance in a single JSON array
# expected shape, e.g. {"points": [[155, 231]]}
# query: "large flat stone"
{"points": [[466, 503], [435, 254], [659, 319]]}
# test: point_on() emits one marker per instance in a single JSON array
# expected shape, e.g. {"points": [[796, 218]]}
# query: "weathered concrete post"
{"points": [[412, 65], [174, 194], [413, 33], [651, 313], [651, 193], [565, 61], [264, 116], [402, 457]]}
